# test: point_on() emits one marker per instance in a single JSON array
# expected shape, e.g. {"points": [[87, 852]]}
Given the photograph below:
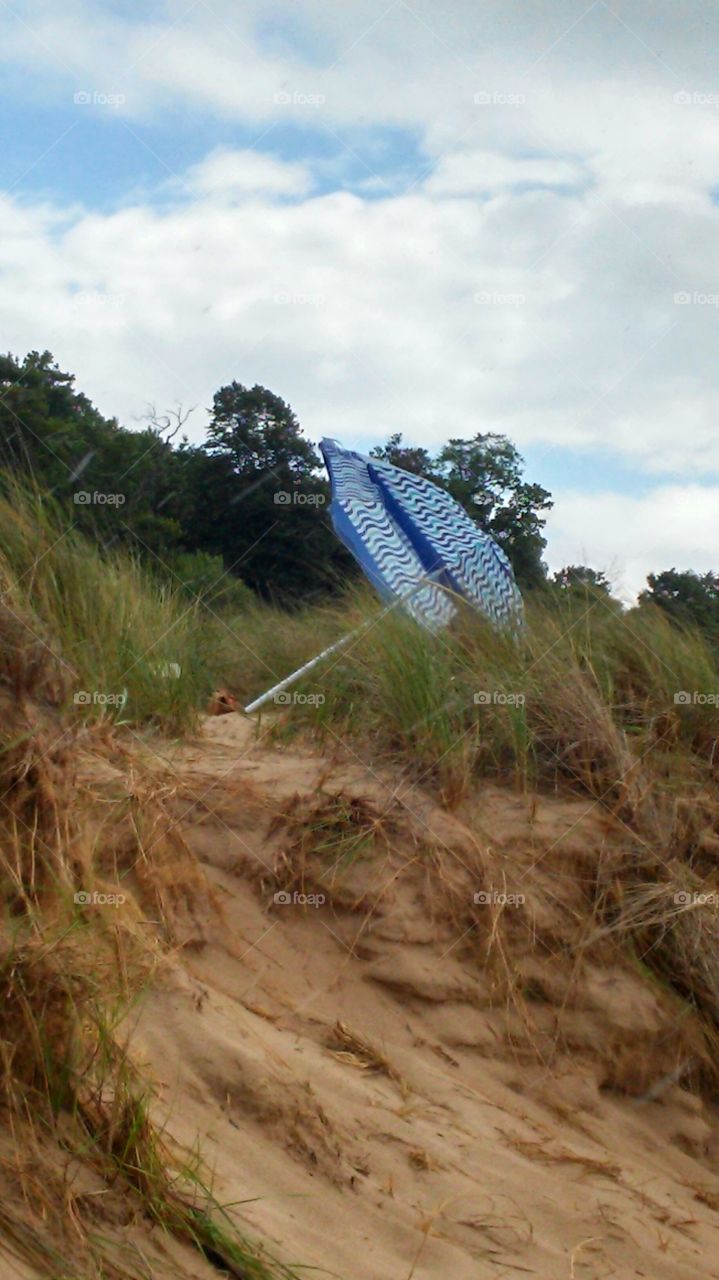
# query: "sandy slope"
{"points": [[357, 1079], [464, 1156]]}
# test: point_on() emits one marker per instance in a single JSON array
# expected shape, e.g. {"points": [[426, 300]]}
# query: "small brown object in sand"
{"points": [[221, 703]]}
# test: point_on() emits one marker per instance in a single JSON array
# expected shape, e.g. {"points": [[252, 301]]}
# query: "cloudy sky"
{"points": [[438, 218]]}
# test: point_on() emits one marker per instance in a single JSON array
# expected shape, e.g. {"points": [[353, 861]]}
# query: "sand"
{"points": [[365, 1094]]}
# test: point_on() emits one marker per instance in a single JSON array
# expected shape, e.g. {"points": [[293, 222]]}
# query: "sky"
{"points": [[430, 218]]}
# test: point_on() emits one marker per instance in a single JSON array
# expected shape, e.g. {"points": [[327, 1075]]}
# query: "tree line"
{"points": [[247, 508]]}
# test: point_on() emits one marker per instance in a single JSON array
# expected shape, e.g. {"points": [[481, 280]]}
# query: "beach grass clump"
{"points": [[131, 646]]}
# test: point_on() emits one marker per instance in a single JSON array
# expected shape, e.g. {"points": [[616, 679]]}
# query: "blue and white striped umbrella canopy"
{"points": [[403, 530]]}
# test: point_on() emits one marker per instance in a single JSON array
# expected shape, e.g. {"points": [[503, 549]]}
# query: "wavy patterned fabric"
{"points": [[403, 530], [384, 552]]}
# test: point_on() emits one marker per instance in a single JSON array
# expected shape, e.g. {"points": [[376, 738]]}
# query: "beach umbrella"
{"points": [[415, 544], [412, 539]]}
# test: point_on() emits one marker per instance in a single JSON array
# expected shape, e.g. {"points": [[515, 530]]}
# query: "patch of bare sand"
{"points": [[401, 1083]]}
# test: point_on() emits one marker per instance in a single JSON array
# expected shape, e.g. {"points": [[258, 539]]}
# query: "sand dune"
{"points": [[382, 1093]]}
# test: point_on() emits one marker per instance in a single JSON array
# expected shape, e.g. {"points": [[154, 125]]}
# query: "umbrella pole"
{"points": [[338, 644], [284, 684]]}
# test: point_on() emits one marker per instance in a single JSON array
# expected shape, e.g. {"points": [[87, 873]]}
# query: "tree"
{"points": [[485, 475], [408, 457], [118, 485], [258, 431], [257, 498], [686, 596], [579, 579], [46, 428]]}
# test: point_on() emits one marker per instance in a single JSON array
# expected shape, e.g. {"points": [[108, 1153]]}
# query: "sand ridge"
{"points": [[356, 1082], [400, 1039]]}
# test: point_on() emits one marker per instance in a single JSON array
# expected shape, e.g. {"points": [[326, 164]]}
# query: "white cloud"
{"points": [[537, 313], [524, 281], [670, 526], [228, 173], [488, 172]]}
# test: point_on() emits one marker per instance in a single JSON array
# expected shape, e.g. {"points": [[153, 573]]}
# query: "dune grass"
{"points": [[620, 707], [66, 1078], [117, 631], [580, 697], [74, 619], [583, 688], [71, 1095]]}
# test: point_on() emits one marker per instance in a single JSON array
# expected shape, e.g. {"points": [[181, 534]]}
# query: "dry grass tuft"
{"points": [[327, 839], [352, 1049], [73, 1106], [36, 770], [562, 1155]]}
